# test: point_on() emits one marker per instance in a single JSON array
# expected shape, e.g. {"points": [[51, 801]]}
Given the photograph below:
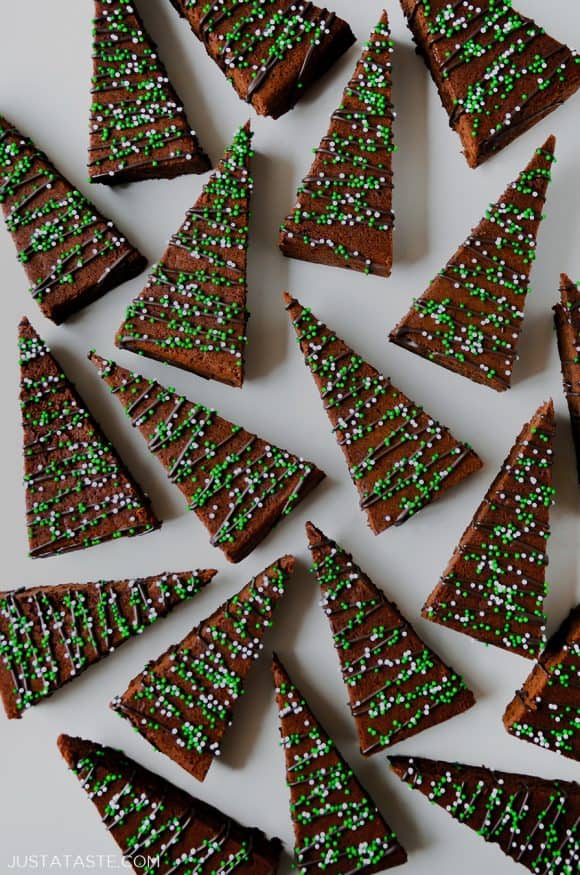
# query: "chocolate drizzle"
{"points": [[399, 458], [494, 586], [344, 212]]}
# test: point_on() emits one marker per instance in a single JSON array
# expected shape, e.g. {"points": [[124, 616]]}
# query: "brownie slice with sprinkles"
{"points": [[78, 491], [343, 215], [470, 318], [546, 711], [534, 821], [138, 127], [184, 701], [271, 51], [337, 826], [497, 71], [397, 686], [192, 312], [152, 820], [495, 583], [238, 485], [71, 253], [567, 320], [49, 635], [399, 458]]}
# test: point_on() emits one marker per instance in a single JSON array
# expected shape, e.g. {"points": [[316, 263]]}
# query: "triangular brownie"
{"points": [[239, 485], [72, 254], [78, 491], [337, 826], [343, 215], [470, 318], [534, 821], [270, 52], [399, 458], [567, 319], [397, 686], [138, 127], [184, 701], [546, 711], [497, 71], [495, 583], [50, 634], [192, 312], [150, 818]]}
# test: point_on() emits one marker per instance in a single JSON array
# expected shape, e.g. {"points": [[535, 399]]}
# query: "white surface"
{"points": [[44, 82]]}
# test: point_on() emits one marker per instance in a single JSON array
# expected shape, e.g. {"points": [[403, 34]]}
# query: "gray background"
{"points": [[44, 82]]}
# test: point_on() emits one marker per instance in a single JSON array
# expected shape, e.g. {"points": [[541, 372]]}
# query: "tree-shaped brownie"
{"points": [[497, 71], [534, 821], [184, 701], [239, 485], [567, 319], [337, 826], [495, 583], [78, 491], [546, 711], [192, 312], [470, 318], [138, 128], [151, 819], [271, 51], [49, 635], [399, 458], [343, 215], [397, 686], [71, 253]]}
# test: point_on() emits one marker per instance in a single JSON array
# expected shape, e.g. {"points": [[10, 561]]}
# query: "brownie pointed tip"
{"points": [[287, 563], [550, 144], [277, 668], [313, 533], [24, 323], [289, 299], [68, 746], [399, 764], [546, 409]]}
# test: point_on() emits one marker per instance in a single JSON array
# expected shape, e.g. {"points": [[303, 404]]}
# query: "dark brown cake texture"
{"points": [[49, 635], [399, 458], [495, 583], [138, 127], [343, 215], [567, 320], [546, 711], [72, 254], [192, 312], [271, 51], [338, 828], [184, 701], [149, 818], [78, 491], [239, 485], [497, 71], [397, 686], [470, 318], [534, 821]]}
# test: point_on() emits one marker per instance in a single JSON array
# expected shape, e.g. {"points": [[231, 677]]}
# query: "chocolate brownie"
{"points": [[343, 215], [271, 51], [534, 821], [239, 485], [192, 312], [567, 320], [184, 701], [337, 826], [72, 254], [78, 491], [497, 71], [397, 686], [138, 127], [50, 634], [495, 583], [398, 457], [470, 318], [150, 818], [546, 711]]}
